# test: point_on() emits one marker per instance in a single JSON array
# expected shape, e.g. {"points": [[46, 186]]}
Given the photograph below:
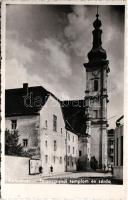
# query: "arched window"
{"points": [[95, 85]]}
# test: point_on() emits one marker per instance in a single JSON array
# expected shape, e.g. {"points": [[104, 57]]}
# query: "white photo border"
{"points": [[65, 192]]}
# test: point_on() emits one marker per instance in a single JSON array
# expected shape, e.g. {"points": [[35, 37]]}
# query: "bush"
{"points": [[11, 143]]}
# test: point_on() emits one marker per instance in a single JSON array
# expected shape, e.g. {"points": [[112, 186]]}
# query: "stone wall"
{"points": [[96, 142], [28, 128], [16, 168]]}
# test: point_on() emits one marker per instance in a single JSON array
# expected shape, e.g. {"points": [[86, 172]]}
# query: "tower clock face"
{"points": [[95, 73]]}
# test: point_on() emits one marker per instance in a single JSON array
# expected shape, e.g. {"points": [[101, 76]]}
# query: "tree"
{"points": [[11, 143]]}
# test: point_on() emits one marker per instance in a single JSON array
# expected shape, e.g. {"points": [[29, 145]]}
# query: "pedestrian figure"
{"points": [[51, 169], [40, 170], [112, 170]]}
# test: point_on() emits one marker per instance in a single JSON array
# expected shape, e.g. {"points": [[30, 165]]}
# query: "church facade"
{"points": [[58, 132]]}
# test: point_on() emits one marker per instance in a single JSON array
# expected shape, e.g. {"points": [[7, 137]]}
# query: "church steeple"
{"points": [[96, 97], [97, 53]]}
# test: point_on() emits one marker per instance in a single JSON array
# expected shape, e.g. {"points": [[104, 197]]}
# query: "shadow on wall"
{"points": [[83, 164]]}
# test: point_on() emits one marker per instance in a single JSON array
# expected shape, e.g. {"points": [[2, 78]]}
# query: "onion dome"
{"points": [[97, 53]]}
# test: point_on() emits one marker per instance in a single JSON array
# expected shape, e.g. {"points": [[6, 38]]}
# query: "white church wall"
{"points": [[95, 142]]}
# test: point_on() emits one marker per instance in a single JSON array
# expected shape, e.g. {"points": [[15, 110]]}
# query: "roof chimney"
{"points": [[25, 88]]}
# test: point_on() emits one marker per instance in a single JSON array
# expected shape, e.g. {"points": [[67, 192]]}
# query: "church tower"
{"points": [[96, 98]]}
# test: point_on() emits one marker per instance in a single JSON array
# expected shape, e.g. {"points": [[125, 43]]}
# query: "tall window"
{"points": [[46, 124], [55, 145], [25, 142], [61, 130], [46, 143], [68, 149], [46, 158], [14, 124], [73, 139], [73, 150], [54, 123], [95, 85], [60, 160]]}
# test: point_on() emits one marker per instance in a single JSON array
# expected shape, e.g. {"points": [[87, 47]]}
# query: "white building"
{"points": [[118, 164], [38, 117]]}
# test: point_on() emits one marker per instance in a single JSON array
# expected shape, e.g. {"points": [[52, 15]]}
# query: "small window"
{"points": [[25, 142], [14, 124], [55, 145], [46, 124], [46, 158], [68, 149], [60, 160], [46, 143], [73, 139], [61, 130], [54, 123], [95, 85]]}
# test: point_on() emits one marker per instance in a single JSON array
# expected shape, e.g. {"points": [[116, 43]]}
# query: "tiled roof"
{"points": [[17, 102], [74, 115], [30, 100]]}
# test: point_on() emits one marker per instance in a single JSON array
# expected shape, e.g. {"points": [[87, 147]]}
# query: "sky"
{"points": [[47, 45]]}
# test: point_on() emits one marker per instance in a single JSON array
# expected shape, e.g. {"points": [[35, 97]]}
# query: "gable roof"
{"points": [[21, 102], [74, 115], [30, 100]]}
